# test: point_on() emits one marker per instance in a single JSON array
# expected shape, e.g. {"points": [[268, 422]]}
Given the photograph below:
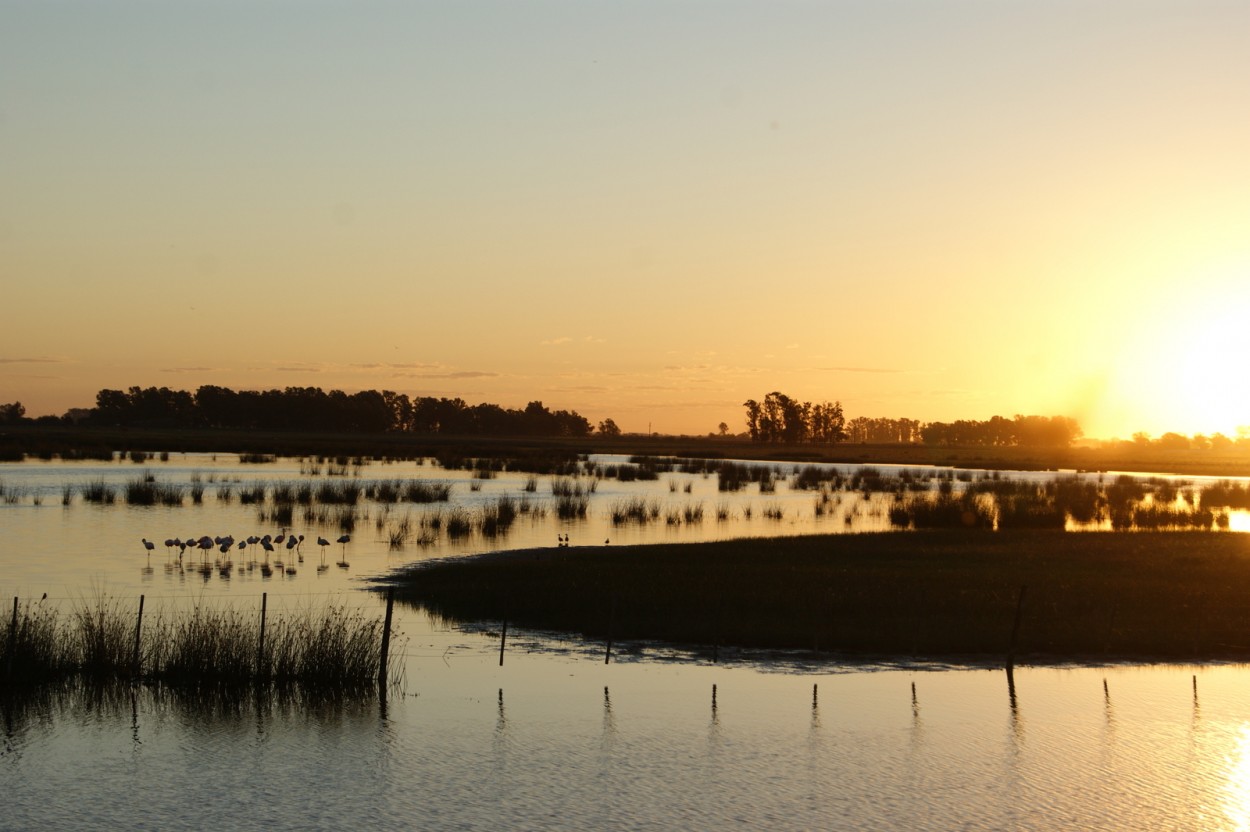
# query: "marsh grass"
{"points": [[497, 519], [458, 523], [99, 492], [252, 494], [417, 491], [398, 533], [343, 492], [12, 495], [634, 510], [570, 487], [332, 649], [147, 491], [570, 507]]}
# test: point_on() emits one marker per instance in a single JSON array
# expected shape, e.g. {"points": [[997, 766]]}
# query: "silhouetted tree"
{"points": [[12, 414]]}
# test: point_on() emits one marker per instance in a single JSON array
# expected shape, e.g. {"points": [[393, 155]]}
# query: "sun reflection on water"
{"points": [[1237, 787]]}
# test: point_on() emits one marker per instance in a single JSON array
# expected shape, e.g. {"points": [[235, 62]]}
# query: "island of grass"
{"points": [[1145, 596]]}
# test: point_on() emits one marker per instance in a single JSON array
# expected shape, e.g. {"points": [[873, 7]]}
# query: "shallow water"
{"points": [[559, 742], [555, 739]]}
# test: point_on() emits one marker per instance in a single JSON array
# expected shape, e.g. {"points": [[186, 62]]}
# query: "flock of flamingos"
{"points": [[225, 546]]}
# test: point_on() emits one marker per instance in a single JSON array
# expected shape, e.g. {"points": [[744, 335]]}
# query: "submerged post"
{"points": [[134, 664], [260, 647], [1015, 630], [386, 637], [503, 639]]}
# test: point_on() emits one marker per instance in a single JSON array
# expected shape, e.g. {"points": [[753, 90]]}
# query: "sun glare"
{"points": [[1182, 370]]}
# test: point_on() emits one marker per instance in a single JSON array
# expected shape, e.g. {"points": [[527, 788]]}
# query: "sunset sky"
{"points": [[644, 210]]}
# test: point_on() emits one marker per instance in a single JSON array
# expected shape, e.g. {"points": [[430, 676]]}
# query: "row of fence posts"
{"points": [[136, 660]]}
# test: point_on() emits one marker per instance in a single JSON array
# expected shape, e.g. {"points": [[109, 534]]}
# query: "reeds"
{"points": [[569, 507], [332, 649], [99, 492], [146, 491], [569, 487], [634, 510]]}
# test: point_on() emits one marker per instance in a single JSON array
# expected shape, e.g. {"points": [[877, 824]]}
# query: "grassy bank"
{"points": [[1150, 595]]}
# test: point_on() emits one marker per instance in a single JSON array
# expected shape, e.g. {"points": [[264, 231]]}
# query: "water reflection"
{"points": [[511, 510], [1237, 781]]}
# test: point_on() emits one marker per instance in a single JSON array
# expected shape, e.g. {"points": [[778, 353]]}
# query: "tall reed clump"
{"points": [[101, 636], [99, 492], [569, 487], [333, 649], [34, 649], [416, 491], [498, 518], [11, 495], [458, 523], [338, 493], [572, 507], [634, 510]]}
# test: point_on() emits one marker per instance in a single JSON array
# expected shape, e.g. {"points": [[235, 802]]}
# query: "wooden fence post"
{"points": [[1015, 630], [12, 640], [134, 665], [386, 637], [260, 648], [503, 639]]}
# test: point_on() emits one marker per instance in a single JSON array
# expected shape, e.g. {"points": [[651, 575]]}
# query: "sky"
{"points": [[648, 211]]}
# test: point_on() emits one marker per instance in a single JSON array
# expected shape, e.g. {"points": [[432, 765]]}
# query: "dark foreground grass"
{"points": [[1146, 595], [331, 650]]}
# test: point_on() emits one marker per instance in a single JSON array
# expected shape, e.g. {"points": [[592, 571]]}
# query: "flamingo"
{"points": [[344, 539], [323, 543]]}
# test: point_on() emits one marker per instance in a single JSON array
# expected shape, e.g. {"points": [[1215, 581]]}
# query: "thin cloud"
{"points": [[188, 369], [387, 366], [556, 342], [459, 374], [33, 361], [883, 370]]}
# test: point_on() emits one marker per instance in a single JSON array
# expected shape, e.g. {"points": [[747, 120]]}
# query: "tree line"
{"points": [[780, 418], [316, 410]]}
